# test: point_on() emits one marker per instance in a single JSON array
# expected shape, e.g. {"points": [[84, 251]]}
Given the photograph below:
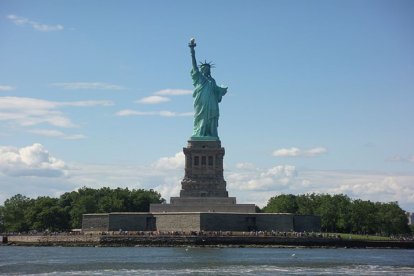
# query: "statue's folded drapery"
{"points": [[207, 95]]}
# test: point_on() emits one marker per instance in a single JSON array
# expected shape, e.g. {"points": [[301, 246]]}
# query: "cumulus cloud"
{"points": [[5, 88], [250, 184], [173, 92], [32, 160], [296, 152], [153, 100], [29, 111], [29, 171], [258, 185], [171, 163], [365, 185], [21, 21], [162, 113], [270, 179], [87, 86]]}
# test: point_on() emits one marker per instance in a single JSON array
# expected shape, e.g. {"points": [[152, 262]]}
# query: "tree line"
{"points": [[21, 214], [340, 214]]}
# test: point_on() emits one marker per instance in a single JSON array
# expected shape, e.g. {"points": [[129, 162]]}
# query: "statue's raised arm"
{"points": [[207, 95], [192, 45]]}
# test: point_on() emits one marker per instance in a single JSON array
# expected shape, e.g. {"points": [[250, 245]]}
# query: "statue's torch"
{"points": [[192, 43]]}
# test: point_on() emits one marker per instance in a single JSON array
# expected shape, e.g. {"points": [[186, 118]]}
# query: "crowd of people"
{"points": [[272, 233]]}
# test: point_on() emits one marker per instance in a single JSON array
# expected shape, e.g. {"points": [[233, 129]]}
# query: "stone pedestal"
{"points": [[203, 204], [203, 170], [203, 188]]}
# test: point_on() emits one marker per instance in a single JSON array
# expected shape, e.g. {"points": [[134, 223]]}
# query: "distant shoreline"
{"points": [[198, 241]]}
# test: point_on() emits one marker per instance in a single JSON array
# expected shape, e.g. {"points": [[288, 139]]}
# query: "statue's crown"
{"points": [[206, 64]]}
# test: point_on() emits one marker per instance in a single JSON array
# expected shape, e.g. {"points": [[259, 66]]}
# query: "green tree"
{"points": [[104, 200], [392, 219], [2, 227], [83, 205], [326, 209], [343, 213], [364, 219], [140, 200], [46, 214], [281, 204], [339, 213], [306, 204], [14, 213]]}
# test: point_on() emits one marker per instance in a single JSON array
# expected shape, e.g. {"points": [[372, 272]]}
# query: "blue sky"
{"points": [[98, 93]]}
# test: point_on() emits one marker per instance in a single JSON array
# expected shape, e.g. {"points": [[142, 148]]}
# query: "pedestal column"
{"points": [[203, 170]]}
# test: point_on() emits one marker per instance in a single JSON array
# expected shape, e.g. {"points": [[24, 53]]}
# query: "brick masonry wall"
{"points": [[95, 222], [307, 223], [178, 222], [275, 222], [200, 221], [227, 222], [129, 221]]}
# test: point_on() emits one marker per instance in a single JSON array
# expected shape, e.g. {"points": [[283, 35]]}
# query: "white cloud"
{"points": [[4, 88], [85, 103], [245, 166], [162, 113], [365, 185], [164, 175], [258, 185], [74, 137], [32, 160], [250, 184], [157, 98], [87, 86], [29, 111], [57, 134], [21, 21], [261, 180], [171, 163], [315, 151], [129, 112], [173, 92], [153, 100], [286, 152], [296, 152]]}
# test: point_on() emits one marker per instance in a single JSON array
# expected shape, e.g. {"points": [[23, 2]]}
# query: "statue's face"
{"points": [[205, 70]]}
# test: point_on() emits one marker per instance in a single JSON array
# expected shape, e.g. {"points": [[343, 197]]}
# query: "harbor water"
{"points": [[20, 260]]}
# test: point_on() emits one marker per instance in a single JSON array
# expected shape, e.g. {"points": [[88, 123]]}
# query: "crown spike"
{"points": [[205, 63]]}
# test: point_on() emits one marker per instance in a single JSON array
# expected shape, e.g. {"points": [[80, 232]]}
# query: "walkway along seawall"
{"points": [[199, 240]]}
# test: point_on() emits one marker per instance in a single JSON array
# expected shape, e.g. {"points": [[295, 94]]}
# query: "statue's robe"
{"points": [[207, 95]]}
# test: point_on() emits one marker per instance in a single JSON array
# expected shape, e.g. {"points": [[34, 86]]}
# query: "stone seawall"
{"points": [[184, 240], [249, 241], [65, 240]]}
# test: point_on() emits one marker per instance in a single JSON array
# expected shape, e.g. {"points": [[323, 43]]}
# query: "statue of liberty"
{"points": [[207, 95]]}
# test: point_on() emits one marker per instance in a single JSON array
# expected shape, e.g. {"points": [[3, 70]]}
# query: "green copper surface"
{"points": [[207, 95]]}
